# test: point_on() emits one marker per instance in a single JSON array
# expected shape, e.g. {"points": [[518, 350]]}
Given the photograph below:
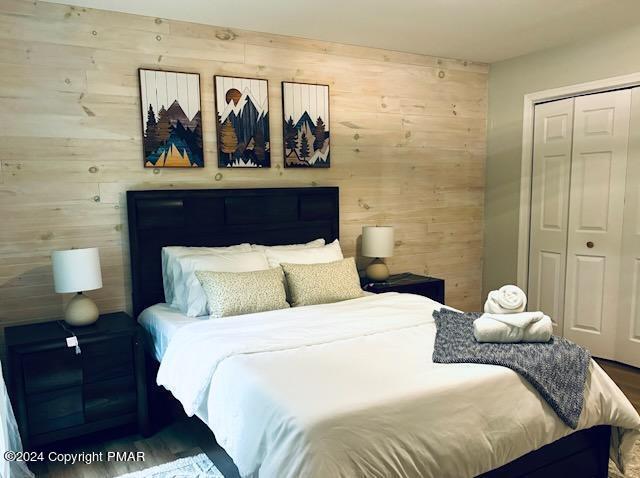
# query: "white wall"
{"points": [[602, 57]]}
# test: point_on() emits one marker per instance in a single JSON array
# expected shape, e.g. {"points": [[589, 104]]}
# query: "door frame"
{"points": [[526, 165]]}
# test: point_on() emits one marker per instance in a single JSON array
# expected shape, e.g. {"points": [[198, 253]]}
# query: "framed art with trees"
{"points": [[242, 122], [171, 119], [305, 110]]}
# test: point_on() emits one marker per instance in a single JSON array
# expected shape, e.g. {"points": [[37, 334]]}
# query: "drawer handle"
{"points": [[590, 245]]}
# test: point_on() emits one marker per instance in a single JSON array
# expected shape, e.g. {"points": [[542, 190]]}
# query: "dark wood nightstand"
{"points": [[58, 394], [430, 287]]}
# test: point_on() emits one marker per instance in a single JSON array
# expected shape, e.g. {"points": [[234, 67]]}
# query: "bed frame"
{"points": [[223, 217]]}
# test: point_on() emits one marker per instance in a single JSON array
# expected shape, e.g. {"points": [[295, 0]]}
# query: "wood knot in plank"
{"points": [[363, 205], [226, 35], [88, 111]]}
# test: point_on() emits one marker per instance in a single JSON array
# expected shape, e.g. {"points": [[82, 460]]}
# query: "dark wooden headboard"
{"points": [[220, 217]]}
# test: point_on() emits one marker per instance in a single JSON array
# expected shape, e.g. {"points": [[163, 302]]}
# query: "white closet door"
{"points": [[596, 201], [628, 337], [553, 131]]}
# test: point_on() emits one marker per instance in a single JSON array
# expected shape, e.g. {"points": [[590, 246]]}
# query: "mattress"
{"points": [[161, 321], [349, 389]]}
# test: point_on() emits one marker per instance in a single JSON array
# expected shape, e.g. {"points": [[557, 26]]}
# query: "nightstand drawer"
{"points": [[433, 290], [110, 398], [55, 410], [408, 283], [58, 395], [107, 359], [51, 370]]}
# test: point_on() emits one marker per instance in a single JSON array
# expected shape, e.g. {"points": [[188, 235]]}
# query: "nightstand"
{"points": [[430, 287], [59, 394]]}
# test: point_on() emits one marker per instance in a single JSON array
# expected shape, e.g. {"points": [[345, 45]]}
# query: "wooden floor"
{"points": [[188, 437], [626, 377], [185, 437]]}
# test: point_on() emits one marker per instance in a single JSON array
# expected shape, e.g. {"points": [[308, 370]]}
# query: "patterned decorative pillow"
{"points": [[324, 283], [238, 293]]}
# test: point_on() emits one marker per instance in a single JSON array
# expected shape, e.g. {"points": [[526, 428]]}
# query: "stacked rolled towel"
{"points": [[505, 321], [509, 328], [509, 299]]}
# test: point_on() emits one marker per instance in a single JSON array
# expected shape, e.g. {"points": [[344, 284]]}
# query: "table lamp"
{"points": [[377, 242], [78, 270]]}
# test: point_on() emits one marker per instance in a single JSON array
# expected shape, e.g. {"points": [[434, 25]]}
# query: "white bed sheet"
{"points": [[161, 321], [349, 389]]}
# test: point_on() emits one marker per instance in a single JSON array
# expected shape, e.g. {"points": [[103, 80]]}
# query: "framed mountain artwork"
{"points": [[242, 116], [171, 119], [306, 125]]}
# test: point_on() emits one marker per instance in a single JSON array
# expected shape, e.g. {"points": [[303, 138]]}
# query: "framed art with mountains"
{"points": [[306, 125], [242, 122], [171, 119]]}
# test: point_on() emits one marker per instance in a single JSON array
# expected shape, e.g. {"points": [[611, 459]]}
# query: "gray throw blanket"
{"points": [[556, 369]]}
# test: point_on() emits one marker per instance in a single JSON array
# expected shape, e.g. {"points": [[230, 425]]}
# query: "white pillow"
{"points": [[315, 243], [190, 298], [314, 255], [171, 254]]}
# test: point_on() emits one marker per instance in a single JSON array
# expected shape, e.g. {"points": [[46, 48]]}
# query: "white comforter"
{"points": [[349, 389], [9, 438]]}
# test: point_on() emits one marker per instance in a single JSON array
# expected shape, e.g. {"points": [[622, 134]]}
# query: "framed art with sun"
{"points": [[242, 117], [171, 119]]}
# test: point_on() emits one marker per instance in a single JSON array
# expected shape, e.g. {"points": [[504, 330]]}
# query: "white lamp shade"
{"points": [[76, 270], [377, 241]]}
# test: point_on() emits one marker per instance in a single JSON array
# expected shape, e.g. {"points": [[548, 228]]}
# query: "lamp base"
{"points": [[377, 271], [81, 310]]}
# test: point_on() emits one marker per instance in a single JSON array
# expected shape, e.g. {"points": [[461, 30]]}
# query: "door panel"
{"points": [[554, 171], [635, 309], [596, 201], [549, 208], [593, 176], [548, 297], [589, 291], [628, 333]]}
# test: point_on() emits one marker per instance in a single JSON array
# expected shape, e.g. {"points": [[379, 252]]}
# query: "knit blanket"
{"points": [[556, 369]]}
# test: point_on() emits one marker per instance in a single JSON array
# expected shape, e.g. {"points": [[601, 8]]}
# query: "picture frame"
{"points": [[242, 122], [171, 109], [306, 132]]}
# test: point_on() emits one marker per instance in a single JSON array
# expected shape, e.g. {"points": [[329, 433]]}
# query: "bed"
{"points": [[9, 438], [241, 401]]}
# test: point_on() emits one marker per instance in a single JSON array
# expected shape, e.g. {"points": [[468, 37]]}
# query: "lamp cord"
{"points": [[64, 327]]}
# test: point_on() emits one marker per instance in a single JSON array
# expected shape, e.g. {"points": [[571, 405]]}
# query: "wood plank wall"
{"points": [[408, 143]]}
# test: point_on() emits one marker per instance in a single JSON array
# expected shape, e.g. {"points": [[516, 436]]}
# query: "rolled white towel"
{"points": [[540, 331], [509, 299], [533, 327], [520, 319]]}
